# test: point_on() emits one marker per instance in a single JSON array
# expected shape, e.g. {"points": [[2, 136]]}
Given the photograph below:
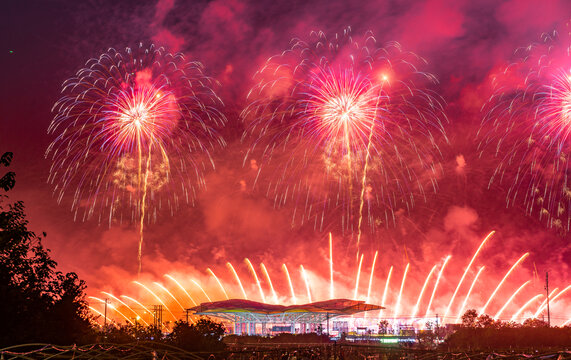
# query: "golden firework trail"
{"points": [[290, 284], [469, 293], [551, 299], [304, 275], [385, 291], [371, 277], [182, 288], [415, 310], [170, 294], [544, 303], [138, 303], [237, 279], [112, 307], [219, 283], [265, 271], [436, 284], [249, 263], [397, 306], [201, 289], [521, 309], [127, 306], [100, 314], [143, 201], [466, 271], [357, 277], [510, 300], [483, 309], [331, 286], [156, 297]]}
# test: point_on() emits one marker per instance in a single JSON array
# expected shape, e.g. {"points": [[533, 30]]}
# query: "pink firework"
{"points": [[526, 126], [134, 132], [345, 128]]}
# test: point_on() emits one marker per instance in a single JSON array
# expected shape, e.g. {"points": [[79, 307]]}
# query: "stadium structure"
{"points": [[251, 317]]}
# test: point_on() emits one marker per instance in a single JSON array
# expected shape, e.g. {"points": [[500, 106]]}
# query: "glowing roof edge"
{"points": [[333, 306]]}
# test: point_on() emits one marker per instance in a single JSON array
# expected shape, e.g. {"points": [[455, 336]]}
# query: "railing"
{"points": [[284, 351]]}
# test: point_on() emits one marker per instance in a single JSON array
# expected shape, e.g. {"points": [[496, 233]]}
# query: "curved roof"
{"points": [[332, 307]]}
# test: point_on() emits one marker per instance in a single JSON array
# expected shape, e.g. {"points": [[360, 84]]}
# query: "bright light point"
{"points": [[343, 108]]}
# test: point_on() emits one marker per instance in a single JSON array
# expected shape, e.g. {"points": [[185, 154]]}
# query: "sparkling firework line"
{"points": [[331, 286], [249, 263], [201, 289], [397, 306], [357, 277], [219, 283], [551, 299], [99, 313], [306, 280], [415, 310], [127, 306], [139, 304], [528, 303], [304, 275], [265, 271], [156, 297], [385, 292], [182, 288], [371, 277], [468, 294], [466, 271], [544, 303], [290, 284], [112, 307], [237, 279], [436, 284], [510, 299], [170, 294], [522, 258]]}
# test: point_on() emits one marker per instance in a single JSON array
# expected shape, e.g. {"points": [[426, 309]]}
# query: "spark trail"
{"points": [[522, 258]]}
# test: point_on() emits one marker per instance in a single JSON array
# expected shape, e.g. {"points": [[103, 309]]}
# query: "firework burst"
{"points": [[346, 127], [134, 131], [527, 124]]}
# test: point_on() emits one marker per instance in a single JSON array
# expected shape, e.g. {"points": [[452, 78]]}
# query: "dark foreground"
{"points": [[153, 351]]}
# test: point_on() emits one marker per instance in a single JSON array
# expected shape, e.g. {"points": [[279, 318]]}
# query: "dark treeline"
{"points": [[483, 332], [203, 335], [39, 304], [42, 305]]}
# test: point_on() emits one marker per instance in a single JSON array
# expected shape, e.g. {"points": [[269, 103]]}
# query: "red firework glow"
{"points": [[403, 301], [335, 125], [333, 164]]}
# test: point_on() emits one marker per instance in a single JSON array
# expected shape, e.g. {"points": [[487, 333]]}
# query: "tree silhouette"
{"points": [[39, 304], [204, 335]]}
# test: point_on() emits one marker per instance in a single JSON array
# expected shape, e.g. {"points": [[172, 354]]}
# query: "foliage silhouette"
{"points": [[483, 332], [203, 335], [38, 302]]}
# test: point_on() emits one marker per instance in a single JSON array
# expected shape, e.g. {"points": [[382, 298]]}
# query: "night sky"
{"points": [[464, 42]]}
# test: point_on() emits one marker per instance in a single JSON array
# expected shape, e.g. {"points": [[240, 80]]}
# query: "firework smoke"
{"points": [[345, 127], [134, 132]]}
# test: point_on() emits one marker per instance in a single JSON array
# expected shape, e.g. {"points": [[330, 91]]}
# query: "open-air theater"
{"points": [[251, 317]]}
